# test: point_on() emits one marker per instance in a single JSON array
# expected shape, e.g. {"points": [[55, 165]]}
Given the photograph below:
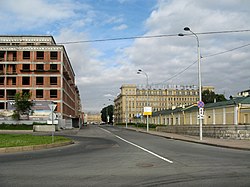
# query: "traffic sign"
{"points": [[52, 106], [200, 104]]}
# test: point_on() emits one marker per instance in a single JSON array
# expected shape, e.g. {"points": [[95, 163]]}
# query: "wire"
{"points": [[150, 36], [207, 56], [122, 38], [215, 54]]}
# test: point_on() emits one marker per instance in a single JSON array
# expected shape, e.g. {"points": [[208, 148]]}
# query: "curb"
{"points": [[34, 147]]}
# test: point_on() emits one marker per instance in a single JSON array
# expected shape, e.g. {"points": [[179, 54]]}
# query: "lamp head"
{"points": [[186, 29], [139, 71], [180, 34]]}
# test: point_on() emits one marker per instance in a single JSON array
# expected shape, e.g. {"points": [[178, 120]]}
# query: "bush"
{"points": [[4, 126]]}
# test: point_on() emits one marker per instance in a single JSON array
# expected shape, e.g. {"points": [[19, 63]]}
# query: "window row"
{"points": [[39, 67], [27, 80], [40, 55], [39, 93]]}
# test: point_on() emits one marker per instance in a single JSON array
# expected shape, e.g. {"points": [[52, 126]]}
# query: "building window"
{"points": [[2, 105], [26, 80], [53, 66], [2, 55], [39, 55], [1, 69], [39, 93], [26, 66], [25, 91], [1, 93], [1, 80], [26, 54], [53, 93], [40, 67], [13, 80], [53, 80], [53, 55], [39, 80]]}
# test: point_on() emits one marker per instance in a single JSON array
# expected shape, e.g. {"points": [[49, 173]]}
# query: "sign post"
{"points": [[52, 107], [200, 105], [147, 112]]}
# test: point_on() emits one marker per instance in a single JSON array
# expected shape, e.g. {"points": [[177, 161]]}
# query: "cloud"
{"points": [[162, 58], [120, 27], [102, 67]]}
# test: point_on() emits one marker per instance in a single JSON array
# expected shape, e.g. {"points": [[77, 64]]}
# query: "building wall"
{"points": [[132, 99], [36, 64], [223, 115]]}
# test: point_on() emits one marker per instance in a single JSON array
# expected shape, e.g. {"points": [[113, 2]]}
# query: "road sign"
{"points": [[147, 111], [200, 104], [52, 116], [52, 106], [201, 111], [200, 116]]}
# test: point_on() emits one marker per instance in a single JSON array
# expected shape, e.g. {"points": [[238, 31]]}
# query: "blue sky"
{"points": [[102, 67]]}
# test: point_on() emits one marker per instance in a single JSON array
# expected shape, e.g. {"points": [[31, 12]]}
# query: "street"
{"points": [[113, 156]]}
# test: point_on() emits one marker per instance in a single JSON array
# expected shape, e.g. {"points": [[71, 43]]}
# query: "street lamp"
{"points": [[140, 72], [199, 77]]}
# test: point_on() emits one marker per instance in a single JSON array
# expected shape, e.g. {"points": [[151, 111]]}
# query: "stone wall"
{"points": [[214, 131]]}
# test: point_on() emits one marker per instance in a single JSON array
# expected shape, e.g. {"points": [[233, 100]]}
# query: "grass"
{"points": [[15, 140]]}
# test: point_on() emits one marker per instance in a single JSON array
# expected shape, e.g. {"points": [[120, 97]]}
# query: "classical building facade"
{"points": [[130, 103], [232, 112], [36, 64]]}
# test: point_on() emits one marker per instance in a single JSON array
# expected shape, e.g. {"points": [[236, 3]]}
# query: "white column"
{"points": [[224, 116], [236, 115], [214, 117]]}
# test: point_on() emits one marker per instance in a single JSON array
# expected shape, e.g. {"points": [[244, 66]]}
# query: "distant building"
{"points": [[93, 118], [132, 99], [36, 64]]}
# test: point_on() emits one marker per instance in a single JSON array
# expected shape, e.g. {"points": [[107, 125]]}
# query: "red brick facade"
{"points": [[36, 64]]}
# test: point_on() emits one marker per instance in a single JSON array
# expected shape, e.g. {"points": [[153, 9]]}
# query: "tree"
{"points": [[209, 97], [107, 111], [22, 105]]}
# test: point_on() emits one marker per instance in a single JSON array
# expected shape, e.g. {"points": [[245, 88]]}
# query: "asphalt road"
{"points": [[111, 156]]}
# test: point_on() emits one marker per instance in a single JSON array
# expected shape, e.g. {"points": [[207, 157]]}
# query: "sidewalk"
{"points": [[227, 143]]}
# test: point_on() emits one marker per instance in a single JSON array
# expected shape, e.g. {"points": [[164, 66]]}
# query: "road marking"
{"points": [[150, 152], [106, 130]]}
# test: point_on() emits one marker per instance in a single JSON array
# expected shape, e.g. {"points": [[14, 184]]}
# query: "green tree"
{"points": [[107, 111], [209, 97], [22, 105]]}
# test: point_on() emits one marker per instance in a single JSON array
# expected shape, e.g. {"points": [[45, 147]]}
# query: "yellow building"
{"points": [[231, 112], [130, 103]]}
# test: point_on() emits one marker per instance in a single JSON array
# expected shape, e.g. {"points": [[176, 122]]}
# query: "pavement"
{"points": [[227, 143]]}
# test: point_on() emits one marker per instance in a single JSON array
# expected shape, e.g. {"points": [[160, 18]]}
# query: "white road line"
{"points": [[150, 152], [106, 130]]}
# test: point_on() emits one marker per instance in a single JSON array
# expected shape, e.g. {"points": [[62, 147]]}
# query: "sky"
{"points": [[102, 67]]}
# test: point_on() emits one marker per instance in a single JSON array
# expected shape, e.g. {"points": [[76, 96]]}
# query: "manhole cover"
{"points": [[144, 165]]}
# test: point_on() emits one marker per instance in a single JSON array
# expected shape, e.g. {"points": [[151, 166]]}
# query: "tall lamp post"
{"points": [[199, 79], [140, 72]]}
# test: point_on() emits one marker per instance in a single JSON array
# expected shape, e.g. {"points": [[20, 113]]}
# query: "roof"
{"points": [[235, 101]]}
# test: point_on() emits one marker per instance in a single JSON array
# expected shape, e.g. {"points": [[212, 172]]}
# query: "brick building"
{"points": [[36, 64]]}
